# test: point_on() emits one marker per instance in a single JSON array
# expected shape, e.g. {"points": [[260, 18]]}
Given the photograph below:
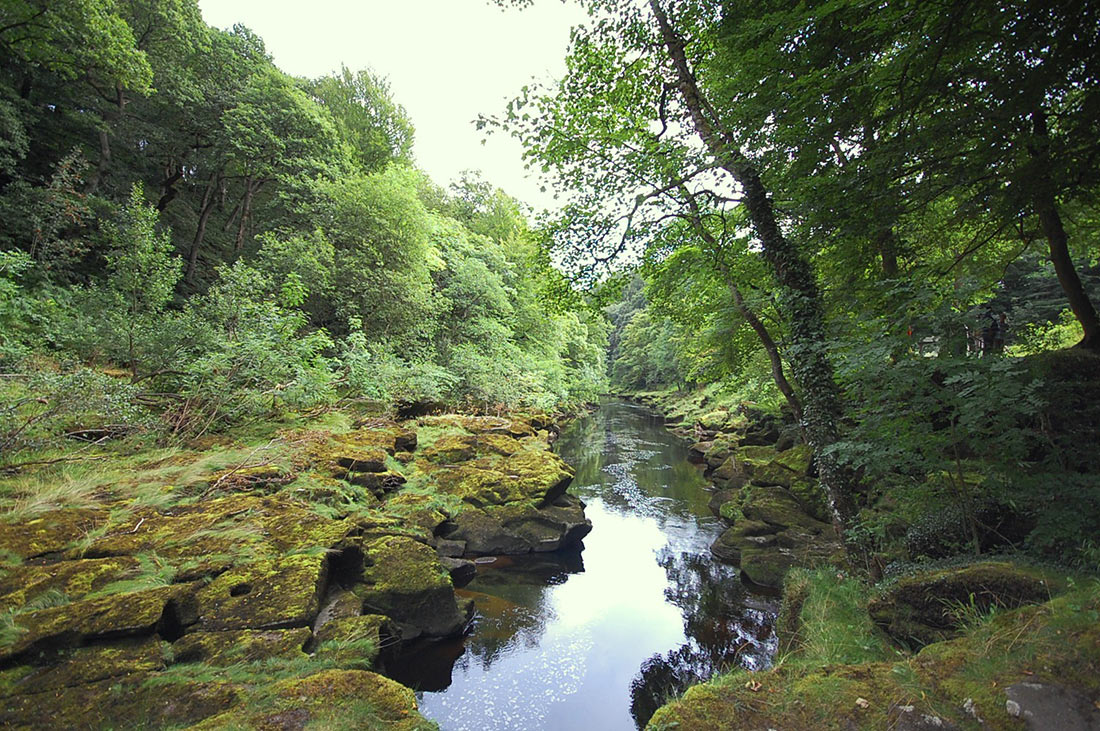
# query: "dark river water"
{"points": [[601, 637]]}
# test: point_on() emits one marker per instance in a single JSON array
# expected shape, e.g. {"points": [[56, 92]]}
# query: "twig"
{"points": [[135, 530], [243, 465]]}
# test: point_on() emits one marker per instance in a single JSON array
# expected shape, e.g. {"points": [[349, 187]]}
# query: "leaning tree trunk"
{"points": [[801, 298], [771, 349], [1051, 223]]}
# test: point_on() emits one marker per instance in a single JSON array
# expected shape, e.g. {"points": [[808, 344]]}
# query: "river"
{"points": [[599, 638]]}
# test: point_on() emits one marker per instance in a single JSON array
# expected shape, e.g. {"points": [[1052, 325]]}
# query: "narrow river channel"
{"points": [[597, 639]]}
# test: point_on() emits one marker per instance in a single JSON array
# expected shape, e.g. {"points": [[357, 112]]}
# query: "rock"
{"points": [[324, 700], [777, 506], [796, 459], [74, 579], [1048, 706], [767, 565], [743, 535], [773, 474], [450, 548], [533, 475], [714, 420], [339, 604], [82, 666], [811, 497], [117, 615], [719, 451], [268, 594], [908, 718], [451, 449], [462, 570], [917, 610], [404, 580], [127, 701], [354, 642], [522, 528], [232, 647], [701, 448], [750, 457], [729, 474], [379, 483], [720, 497], [50, 533]]}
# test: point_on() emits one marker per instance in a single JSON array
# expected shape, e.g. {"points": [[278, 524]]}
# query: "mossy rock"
{"points": [[529, 476], [84, 665], [730, 473], [720, 450], [778, 507], [812, 498], [797, 459], [269, 594], [354, 642], [384, 439], [773, 474], [404, 580], [743, 535], [925, 608], [768, 565], [378, 483], [730, 511], [423, 511], [719, 498], [752, 457], [714, 420], [50, 533], [132, 701], [235, 646], [452, 449], [332, 698], [74, 579], [117, 615], [520, 528]]}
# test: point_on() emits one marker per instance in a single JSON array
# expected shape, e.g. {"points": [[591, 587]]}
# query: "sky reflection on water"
{"points": [[596, 641]]}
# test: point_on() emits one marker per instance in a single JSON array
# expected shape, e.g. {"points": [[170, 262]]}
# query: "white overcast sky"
{"points": [[447, 62]]}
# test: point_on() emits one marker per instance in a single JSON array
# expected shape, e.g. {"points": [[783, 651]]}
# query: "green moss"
{"points": [[85, 665], [229, 648], [75, 579], [119, 614], [284, 592]]}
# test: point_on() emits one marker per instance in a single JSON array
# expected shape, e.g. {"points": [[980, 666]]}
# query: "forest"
{"points": [[231, 302]]}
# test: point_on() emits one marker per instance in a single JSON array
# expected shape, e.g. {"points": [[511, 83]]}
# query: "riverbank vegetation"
{"points": [[849, 248]]}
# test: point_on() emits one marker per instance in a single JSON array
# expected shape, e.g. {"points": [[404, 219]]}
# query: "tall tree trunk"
{"points": [[1051, 222], [209, 200], [750, 317], [800, 297], [887, 243]]}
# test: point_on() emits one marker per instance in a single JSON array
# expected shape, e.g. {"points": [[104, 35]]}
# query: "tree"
{"points": [[143, 273]]}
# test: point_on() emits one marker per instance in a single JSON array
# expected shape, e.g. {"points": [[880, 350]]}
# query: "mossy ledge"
{"points": [[1013, 653], [252, 584]]}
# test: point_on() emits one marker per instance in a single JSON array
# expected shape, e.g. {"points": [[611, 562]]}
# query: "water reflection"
{"points": [[600, 643]]}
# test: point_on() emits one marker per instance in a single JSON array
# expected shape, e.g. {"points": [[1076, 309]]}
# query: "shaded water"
{"points": [[599, 638]]}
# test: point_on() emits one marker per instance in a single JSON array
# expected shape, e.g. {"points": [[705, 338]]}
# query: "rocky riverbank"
{"points": [[255, 584], [765, 490], [982, 644]]}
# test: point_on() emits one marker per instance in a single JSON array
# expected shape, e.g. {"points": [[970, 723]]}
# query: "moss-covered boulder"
{"points": [[329, 699], [749, 458], [797, 459], [721, 448], [931, 606], [234, 646], [354, 642], [745, 534], [532, 475], [268, 594], [519, 528], [117, 615], [719, 498], [51, 532], [729, 474], [74, 579], [773, 474], [777, 506], [81, 666], [404, 580], [811, 497], [378, 483], [139, 700]]}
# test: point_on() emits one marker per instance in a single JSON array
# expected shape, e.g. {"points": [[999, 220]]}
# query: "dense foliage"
{"points": [[226, 242], [830, 205]]}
